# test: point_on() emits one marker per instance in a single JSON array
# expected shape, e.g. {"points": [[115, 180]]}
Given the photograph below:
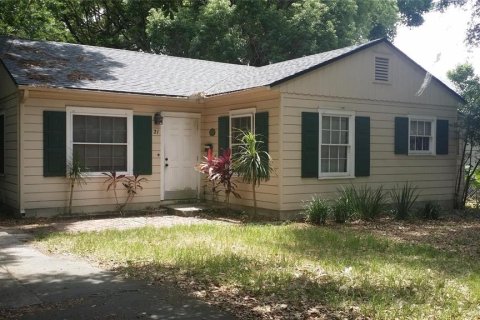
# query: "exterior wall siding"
{"points": [[49, 195], [267, 193], [347, 85]]}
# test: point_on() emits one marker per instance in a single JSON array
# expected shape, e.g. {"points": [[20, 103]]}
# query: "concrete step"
{"points": [[187, 209]]}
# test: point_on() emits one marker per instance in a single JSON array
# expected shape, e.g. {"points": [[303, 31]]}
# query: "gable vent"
{"points": [[381, 69]]}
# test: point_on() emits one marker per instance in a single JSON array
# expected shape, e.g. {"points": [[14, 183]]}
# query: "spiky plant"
{"points": [[77, 177], [252, 164]]}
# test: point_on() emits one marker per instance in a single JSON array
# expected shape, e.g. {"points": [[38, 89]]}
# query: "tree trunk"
{"points": [[254, 199], [72, 185]]}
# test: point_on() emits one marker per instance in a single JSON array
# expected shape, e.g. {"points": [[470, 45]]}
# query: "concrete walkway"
{"points": [[36, 286]]}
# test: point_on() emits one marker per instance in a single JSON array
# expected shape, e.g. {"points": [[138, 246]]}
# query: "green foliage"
{"points": [[342, 209], [77, 176], [468, 84], [255, 32], [32, 20], [403, 199], [367, 202], [252, 164], [317, 210], [133, 185], [430, 211]]}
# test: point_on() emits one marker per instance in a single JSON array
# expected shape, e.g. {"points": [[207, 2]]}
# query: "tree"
{"points": [[259, 32], [251, 163], [468, 84], [31, 20]]}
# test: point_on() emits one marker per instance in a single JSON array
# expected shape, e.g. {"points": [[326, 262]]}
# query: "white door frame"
{"points": [[162, 147]]}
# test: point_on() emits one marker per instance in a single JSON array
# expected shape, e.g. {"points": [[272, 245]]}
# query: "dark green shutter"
{"points": [[2, 144], [362, 146], [442, 136], [142, 145], [223, 133], [54, 144], [310, 135], [401, 135], [261, 129]]}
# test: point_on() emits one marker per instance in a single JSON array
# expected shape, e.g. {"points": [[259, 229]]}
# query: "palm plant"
{"points": [[252, 164], [133, 185], [77, 177]]}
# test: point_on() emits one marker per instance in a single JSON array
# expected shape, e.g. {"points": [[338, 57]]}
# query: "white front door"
{"points": [[181, 143]]}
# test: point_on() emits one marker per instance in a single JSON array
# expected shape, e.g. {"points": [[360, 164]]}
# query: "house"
{"points": [[364, 114]]}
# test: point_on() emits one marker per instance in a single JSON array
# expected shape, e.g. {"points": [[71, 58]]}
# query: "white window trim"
{"points": [[350, 150], [433, 144], [87, 111], [240, 113], [384, 56]]}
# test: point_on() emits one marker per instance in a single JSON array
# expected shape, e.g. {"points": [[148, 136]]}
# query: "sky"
{"points": [[438, 45]]}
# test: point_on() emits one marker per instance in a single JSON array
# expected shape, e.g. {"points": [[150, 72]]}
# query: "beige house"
{"points": [[364, 114]]}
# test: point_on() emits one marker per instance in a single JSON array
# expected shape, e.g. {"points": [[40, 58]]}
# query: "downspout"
{"points": [[20, 145]]}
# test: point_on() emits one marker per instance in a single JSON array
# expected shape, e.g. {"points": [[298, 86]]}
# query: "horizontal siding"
{"points": [[433, 175], [53, 192], [268, 192]]}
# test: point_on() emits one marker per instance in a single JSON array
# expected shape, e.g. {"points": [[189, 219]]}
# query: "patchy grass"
{"points": [[291, 271]]}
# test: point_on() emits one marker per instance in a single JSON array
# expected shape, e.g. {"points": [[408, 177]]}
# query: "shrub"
{"points": [[342, 209], [403, 199], [316, 211], [367, 202], [430, 211]]}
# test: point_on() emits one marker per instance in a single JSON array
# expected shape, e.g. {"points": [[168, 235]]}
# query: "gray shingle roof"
{"points": [[65, 65]]}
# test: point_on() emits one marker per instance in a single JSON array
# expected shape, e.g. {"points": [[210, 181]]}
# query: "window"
{"points": [[336, 142], [382, 66], [240, 120], [421, 136], [101, 139]]}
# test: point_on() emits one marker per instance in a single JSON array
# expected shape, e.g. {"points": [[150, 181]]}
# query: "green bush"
{"points": [[430, 211], [316, 211], [342, 209], [403, 199], [365, 201]]}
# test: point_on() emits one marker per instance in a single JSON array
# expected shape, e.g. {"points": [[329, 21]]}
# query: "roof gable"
{"points": [[65, 65]]}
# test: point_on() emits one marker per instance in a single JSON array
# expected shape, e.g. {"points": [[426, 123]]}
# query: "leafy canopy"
{"points": [[255, 32]]}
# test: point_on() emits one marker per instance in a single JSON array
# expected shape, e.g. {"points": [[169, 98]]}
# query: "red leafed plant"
{"points": [[219, 172]]}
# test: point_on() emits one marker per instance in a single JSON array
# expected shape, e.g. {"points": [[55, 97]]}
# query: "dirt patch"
{"points": [[452, 234]]}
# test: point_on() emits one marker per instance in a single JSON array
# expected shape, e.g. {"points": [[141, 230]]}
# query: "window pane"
{"points": [[239, 125], [325, 136], [120, 130], [79, 153], [78, 128], [106, 129], [413, 127], [342, 152], [428, 128], [92, 127], [335, 136], [344, 124], [418, 143], [334, 152], [412, 143], [324, 166], [325, 122], [421, 128], [325, 153], [426, 144], [334, 165], [344, 137], [336, 123], [342, 165]]}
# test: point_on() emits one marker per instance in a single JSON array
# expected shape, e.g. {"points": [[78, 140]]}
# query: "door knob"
{"points": [[166, 164]]}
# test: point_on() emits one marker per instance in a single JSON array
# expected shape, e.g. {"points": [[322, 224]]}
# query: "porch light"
{"points": [[158, 118]]}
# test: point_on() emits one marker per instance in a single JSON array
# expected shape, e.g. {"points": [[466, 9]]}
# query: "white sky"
{"points": [[438, 45]]}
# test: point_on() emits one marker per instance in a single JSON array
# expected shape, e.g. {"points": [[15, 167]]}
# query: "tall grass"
{"points": [[298, 265], [368, 203], [403, 199]]}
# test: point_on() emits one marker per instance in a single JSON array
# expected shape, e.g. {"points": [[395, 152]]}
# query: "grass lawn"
{"points": [[292, 271]]}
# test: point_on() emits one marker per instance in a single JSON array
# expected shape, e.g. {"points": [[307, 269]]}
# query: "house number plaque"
{"points": [[156, 132]]}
